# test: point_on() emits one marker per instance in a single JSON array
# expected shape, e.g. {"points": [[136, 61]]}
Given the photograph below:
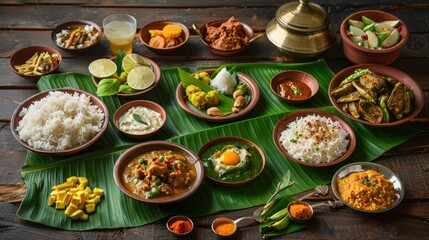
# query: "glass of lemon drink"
{"points": [[120, 29]]}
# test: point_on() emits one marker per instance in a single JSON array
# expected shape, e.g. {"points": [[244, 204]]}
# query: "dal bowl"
{"points": [[21, 56], [150, 106], [61, 36], [416, 105], [363, 166], [177, 43], [248, 31], [16, 118], [283, 124], [123, 171], [358, 54]]}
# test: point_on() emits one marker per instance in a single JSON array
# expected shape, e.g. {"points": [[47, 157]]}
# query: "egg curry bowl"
{"points": [[231, 161]]}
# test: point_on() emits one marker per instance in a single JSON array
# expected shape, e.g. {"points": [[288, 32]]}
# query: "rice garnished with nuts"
{"points": [[315, 139], [60, 121]]}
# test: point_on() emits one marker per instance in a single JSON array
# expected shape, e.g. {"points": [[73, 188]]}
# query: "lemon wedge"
{"points": [[140, 78], [132, 61], [102, 68]]}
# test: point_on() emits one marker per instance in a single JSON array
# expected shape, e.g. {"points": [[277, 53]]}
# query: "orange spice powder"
{"points": [[299, 211], [224, 228], [180, 226]]}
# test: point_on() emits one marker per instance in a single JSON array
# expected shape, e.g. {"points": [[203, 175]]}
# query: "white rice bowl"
{"points": [[315, 139], [60, 121], [224, 82]]}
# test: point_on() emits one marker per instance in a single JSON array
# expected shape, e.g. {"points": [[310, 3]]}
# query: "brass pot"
{"points": [[301, 29]]}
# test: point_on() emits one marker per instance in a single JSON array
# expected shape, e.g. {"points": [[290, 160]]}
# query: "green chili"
{"points": [[154, 192], [158, 182], [357, 74], [295, 89]]}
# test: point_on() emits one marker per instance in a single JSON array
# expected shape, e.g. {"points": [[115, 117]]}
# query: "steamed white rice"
{"points": [[315, 139], [224, 82], [60, 121]]}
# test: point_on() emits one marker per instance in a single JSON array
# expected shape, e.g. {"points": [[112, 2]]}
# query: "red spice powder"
{"points": [[180, 226]]}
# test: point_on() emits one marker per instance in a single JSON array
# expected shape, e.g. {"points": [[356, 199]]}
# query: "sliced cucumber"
{"points": [[393, 23], [392, 39], [356, 23], [382, 27], [372, 39], [366, 20]]}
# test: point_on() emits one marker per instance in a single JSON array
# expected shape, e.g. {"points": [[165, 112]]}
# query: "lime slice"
{"points": [[133, 60], [356, 32], [366, 20], [392, 39], [372, 39], [393, 23], [369, 27], [140, 78], [356, 23], [102, 68]]}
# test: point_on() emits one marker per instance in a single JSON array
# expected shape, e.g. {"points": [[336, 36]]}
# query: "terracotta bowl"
{"points": [[145, 37], [247, 30], [252, 89], [220, 142], [283, 123], [16, 118], [138, 149], [178, 218], [362, 166], [294, 75], [72, 25], [358, 54], [417, 104], [139, 103], [22, 55], [156, 69]]}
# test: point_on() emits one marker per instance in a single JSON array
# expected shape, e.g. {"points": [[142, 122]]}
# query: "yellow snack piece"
{"points": [[77, 214], [73, 179], [59, 205], [84, 217], [70, 209], [98, 192], [83, 180], [90, 208], [51, 201], [68, 198], [171, 31], [61, 194]]}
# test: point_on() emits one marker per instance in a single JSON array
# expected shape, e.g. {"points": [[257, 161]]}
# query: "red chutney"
{"points": [[180, 226], [294, 90]]}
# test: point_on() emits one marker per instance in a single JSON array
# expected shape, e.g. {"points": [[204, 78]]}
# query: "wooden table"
{"points": [[26, 23]]}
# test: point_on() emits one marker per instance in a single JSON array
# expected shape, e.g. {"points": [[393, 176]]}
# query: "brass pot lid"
{"points": [[302, 16]]}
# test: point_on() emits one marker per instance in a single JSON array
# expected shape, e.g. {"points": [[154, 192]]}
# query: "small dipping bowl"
{"points": [[298, 79], [299, 218], [174, 219], [226, 223]]}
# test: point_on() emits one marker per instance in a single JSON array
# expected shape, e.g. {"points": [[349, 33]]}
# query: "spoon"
{"points": [[320, 189], [197, 30], [259, 35]]}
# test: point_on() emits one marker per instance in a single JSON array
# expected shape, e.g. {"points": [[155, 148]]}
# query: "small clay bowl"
{"points": [[72, 25], [145, 37], [296, 218], [359, 54], [248, 31], [139, 103], [294, 76], [16, 118], [21, 56], [223, 220], [178, 218]]}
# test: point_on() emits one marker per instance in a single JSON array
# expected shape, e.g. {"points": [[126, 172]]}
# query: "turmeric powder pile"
{"points": [[76, 197], [300, 211]]}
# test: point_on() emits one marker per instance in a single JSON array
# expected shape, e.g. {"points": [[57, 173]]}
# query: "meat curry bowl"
{"points": [[158, 172]]}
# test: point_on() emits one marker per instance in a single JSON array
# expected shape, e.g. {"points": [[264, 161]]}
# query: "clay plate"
{"points": [[294, 75], [22, 55], [27, 102], [387, 71], [236, 139], [133, 152], [143, 103], [74, 25], [252, 89], [155, 69], [362, 166], [282, 125], [144, 36]]}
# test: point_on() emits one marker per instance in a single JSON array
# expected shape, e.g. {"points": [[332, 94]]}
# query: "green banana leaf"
{"points": [[116, 210]]}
